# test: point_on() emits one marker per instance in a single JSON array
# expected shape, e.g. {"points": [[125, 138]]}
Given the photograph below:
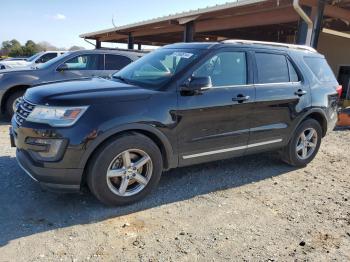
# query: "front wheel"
{"points": [[11, 103], [304, 145], [125, 170]]}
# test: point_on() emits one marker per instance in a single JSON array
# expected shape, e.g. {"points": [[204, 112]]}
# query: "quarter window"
{"points": [[85, 62], [272, 68], [320, 68], [116, 62], [225, 69]]}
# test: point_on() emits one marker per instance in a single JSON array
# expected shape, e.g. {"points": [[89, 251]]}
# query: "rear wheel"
{"points": [[304, 145], [11, 103], [125, 170]]}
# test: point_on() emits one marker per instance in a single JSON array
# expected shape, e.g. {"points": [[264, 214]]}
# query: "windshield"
{"points": [[33, 57], [52, 61], [156, 68]]}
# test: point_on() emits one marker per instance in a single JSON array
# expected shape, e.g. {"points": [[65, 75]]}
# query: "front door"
{"points": [[81, 66], [215, 123]]}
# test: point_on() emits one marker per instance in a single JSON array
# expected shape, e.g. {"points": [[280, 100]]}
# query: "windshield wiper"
{"points": [[120, 78]]}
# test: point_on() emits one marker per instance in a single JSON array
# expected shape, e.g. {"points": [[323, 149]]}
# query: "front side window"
{"points": [[46, 57], [225, 69], [33, 57], [272, 68], [116, 62], [158, 67], [85, 62]]}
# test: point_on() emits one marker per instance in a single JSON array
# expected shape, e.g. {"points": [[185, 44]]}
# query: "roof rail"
{"points": [[301, 47]]}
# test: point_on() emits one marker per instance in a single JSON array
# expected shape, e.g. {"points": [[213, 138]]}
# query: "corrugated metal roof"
{"points": [[175, 16]]}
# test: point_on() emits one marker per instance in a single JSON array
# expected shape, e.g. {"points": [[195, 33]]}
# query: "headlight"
{"points": [[56, 116]]}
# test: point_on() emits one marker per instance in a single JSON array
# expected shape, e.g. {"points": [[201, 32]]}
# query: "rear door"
{"points": [[215, 124], [114, 63], [281, 94]]}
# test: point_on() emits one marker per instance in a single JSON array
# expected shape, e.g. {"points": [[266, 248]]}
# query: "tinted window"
{"points": [[116, 62], [272, 68], [85, 62], [320, 68], [293, 75], [46, 57], [225, 69]]}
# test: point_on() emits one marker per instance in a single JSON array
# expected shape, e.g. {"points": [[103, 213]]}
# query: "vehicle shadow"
{"points": [[26, 209]]}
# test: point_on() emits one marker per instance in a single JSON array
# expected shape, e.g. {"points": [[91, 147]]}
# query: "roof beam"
{"points": [[330, 10], [145, 32], [275, 16]]}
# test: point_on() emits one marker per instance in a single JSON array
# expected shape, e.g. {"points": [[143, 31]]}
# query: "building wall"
{"points": [[336, 49]]}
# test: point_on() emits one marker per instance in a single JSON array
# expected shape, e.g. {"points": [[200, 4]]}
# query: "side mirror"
{"points": [[198, 84], [62, 67]]}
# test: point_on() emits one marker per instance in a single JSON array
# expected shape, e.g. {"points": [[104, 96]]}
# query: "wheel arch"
{"points": [[318, 115], [9, 92], [164, 145]]}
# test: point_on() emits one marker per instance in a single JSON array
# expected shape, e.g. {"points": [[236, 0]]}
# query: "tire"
{"points": [[294, 153], [9, 105], [112, 156]]}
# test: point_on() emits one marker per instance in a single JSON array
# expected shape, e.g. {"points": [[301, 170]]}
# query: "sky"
{"points": [[60, 22]]}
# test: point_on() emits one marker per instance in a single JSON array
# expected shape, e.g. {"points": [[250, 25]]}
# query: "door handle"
{"points": [[240, 98], [300, 92]]}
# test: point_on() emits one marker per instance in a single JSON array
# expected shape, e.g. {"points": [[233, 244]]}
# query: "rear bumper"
{"points": [[55, 179]]}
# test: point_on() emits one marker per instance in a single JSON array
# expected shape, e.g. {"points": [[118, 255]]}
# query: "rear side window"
{"points": [[272, 68], [320, 68], [116, 62]]}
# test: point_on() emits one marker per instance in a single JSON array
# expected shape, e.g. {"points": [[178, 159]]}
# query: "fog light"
{"points": [[46, 149]]}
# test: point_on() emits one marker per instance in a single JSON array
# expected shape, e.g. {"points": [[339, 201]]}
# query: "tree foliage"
{"points": [[14, 48]]}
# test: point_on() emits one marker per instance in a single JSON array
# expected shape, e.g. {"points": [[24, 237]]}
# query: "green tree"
{"points": [[15, 48], [30, 48]]}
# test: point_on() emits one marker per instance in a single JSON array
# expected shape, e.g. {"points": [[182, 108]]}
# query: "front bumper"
{"points": [[57, 179], [55, 176]]}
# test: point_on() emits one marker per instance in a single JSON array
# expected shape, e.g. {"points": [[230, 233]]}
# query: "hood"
{"points": [[15, 63], [17, 70], [85, 92]]}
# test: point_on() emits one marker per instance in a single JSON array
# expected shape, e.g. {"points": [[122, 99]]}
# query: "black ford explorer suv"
{"points": [[180, 105]]}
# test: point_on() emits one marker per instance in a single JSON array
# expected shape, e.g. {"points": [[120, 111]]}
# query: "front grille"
{"points": [[24, 108]]}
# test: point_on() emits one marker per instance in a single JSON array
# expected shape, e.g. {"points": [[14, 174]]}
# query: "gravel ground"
{"points": [[252, 209]]}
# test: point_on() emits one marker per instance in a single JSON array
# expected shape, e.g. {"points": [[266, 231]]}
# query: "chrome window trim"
{"points": [[279, 83], [228, 86]]}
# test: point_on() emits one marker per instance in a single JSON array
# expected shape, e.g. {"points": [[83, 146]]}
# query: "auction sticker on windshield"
{"points": [[182, 54]]}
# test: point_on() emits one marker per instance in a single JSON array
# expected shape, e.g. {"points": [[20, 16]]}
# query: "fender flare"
{"points": [[306, 115], [171, 160]]}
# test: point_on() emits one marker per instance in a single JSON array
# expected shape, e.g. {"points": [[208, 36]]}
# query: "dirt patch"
{"points": [[254, 208]]}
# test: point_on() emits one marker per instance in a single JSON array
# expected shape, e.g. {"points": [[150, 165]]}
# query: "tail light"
{"points": [[339, 90]]}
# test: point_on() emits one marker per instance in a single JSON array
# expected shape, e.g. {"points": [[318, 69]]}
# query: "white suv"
{"points": [[38, 58]]}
